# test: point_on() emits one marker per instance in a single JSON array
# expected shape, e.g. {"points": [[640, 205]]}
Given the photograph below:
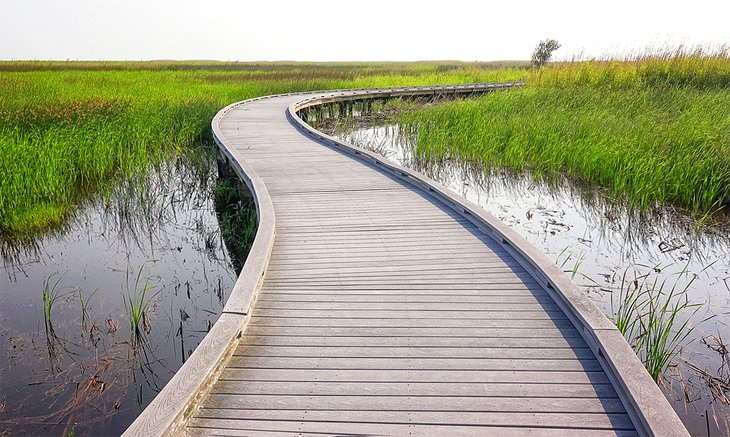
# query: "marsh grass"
{"points": [[140, 295], [670, 67], [651, 128], [52, 292], [654, 316], [70, 129]]}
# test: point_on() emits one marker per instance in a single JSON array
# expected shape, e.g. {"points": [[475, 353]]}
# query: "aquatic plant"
{"points": [[84, 304], [50, 294], [137, 302], [654, 317]]}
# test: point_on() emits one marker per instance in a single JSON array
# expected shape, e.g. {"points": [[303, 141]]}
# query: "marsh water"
{"points": [[151, 240], [603, 246], [76, 366]]}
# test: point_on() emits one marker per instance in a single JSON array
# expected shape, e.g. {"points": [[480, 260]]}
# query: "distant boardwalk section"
{"points": [[376, 302]]}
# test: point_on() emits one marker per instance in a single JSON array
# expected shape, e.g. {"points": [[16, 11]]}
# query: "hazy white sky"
{"points": [[365, 30]]}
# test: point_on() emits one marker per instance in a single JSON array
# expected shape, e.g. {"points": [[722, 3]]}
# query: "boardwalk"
{"points": [[390, 307]]}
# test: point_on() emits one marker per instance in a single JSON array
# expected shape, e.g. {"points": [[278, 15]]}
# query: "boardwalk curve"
{"points": [[375, 301]]}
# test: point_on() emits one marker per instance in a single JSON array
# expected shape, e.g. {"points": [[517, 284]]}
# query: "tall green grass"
{"points": [[67, 129], [651, 128], [137, 301], [694, 67], [654, 317]]}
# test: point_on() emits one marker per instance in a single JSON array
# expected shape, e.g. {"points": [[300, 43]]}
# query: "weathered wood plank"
{"points": [[421, 331], [387, 264], [271, 321], [416, 403], [303, 426], [496, 270], [364, 259], [431, 363], [505, 297], [432, 276], [441, 307], [478, 389], [416, 375], [556, 341], [290, 245], [483, 287], [410, 281], [413, 352], [527, 314]]}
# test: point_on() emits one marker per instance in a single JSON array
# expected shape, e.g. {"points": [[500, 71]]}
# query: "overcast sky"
{"points": [[349, 30]]}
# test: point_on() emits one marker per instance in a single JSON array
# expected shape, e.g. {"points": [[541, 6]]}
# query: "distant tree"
{"points": [[544, 51]]}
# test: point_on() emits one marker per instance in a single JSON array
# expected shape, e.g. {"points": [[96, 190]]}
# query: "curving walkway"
{"points": [[375, 302]]}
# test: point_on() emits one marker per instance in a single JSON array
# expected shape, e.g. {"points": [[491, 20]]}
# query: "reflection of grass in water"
{"points": [[236, 218], [84, 304], [654, 316], [135, 207]]}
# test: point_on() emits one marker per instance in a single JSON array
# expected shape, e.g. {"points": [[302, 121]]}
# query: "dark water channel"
{"points": [[602, 245], [151, 241]]}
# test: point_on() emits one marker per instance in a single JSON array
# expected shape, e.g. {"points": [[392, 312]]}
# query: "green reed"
{"points": [[67, 129], [652, 129], [49, 295], [139, 296], [654, 317]]}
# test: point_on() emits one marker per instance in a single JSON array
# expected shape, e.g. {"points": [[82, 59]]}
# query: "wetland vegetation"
{"points": [[111, 157], [654, 129], [67, 128]]}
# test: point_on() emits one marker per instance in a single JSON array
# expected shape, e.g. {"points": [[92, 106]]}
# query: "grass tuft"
{"points": [[137, 301], [654, 318]]}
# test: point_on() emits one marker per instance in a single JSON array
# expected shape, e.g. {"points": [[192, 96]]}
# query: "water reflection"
{"points": [[84, 366], [598, 240], [627, 231]]}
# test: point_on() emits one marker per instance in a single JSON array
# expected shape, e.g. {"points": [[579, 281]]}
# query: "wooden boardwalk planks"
{"points": [[383, 309], [375, 302]]}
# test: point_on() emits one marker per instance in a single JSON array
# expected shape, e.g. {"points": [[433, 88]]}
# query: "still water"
{"points": [[152, 241]]}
